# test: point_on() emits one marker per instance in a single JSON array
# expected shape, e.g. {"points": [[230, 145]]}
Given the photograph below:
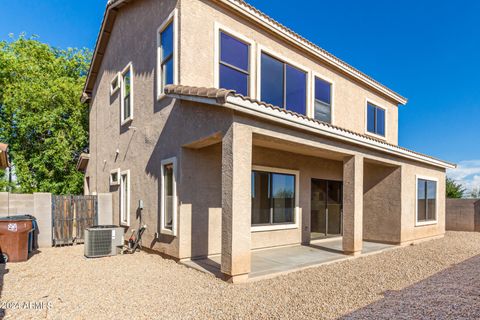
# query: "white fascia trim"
{"points": [[172, 18], [296, 218], [429, 222], [319, 53], [249, 107]]}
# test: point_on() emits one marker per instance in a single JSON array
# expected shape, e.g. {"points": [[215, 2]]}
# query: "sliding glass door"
{"points": [[326, 209]]}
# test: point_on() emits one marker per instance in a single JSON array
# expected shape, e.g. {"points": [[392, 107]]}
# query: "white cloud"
{"points": [[467, 173]]}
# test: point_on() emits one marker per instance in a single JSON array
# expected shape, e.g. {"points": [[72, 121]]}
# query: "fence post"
{"points": [[104, 207], [42, 211]]}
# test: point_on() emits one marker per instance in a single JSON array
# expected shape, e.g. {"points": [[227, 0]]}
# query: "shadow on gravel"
{"points": [[3, 271], [450, 294]]}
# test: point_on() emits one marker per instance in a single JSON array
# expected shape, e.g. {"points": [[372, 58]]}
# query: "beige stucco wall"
{"points": [[197, 64], [463, 215], [160, 129]]}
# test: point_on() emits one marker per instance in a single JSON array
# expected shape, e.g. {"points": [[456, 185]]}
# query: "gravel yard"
{"points": [[434, 279]]}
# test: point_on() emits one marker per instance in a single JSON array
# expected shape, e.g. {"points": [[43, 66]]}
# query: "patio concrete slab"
{"points": [[270, 262]]}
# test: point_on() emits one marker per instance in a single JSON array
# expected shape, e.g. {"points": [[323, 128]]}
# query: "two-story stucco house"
{"points": [[297, 146]]}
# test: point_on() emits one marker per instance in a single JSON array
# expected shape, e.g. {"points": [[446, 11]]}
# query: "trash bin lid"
{"points": [[18, 217]]}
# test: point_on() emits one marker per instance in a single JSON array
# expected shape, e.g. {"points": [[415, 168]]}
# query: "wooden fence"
{"points": [[71, 215]]}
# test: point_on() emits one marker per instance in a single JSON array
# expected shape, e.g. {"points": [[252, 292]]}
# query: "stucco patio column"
{"points": [[353, 204], [236, 202]]}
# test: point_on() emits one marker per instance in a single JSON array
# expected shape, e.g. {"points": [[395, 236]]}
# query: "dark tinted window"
{"points": [[166, 58], [283, 85], [323, 105], [296, 95], [272, 83], [375, 120], [234, 64]]}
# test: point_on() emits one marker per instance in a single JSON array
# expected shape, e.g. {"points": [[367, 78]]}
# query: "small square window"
{"points": [[115, 84], [115, 177]]}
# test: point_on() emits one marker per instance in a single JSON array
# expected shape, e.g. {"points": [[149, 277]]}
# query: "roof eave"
{"points": [[245, 106]]}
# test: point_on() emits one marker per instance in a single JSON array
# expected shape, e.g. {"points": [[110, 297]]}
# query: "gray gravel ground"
{"points": [[435, 279]]}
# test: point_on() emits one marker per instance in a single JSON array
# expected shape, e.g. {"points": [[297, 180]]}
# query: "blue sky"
{"points": [[428, 51]]}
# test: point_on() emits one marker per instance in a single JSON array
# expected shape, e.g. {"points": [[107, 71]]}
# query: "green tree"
{"points": [[454, 190], [41, 117]]}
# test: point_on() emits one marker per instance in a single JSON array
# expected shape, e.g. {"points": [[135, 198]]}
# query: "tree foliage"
{"points": [[41, 117], [454, 190]]}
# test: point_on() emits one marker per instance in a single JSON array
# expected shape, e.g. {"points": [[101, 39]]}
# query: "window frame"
{"points": [[173, 231], [427, 222], [313, 99], [218, 29], [113, 89], [112, 182], [280, 226], [125, 216], [171, 19], [308, 72], [380, 106], [124, 120]]}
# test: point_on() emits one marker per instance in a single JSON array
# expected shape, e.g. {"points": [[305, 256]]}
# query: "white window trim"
{"points": [[115, 183], [218, 28], [123, 215], [296, 218], [113, 90], [378, 105], [284, 59], [173, 232], [315, 74], [172, 18], [430, 222], [122, 93]]}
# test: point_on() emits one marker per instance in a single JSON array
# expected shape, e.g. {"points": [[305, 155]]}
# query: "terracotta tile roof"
{"points": [[221, 95]]}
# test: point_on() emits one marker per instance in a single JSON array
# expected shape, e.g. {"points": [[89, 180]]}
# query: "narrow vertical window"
{"points": [[125, 198], [166, 55], [375, 120], [283, 85], [168, 197], [234, 64], [126, 94], [426, 201], [323, 100]]}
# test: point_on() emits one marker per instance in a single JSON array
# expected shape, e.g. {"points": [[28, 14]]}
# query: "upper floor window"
{"points": [[323, 100], [283, 85], [167, 53], [426, 201], [234, 64], [375, 119], [127, 94]]}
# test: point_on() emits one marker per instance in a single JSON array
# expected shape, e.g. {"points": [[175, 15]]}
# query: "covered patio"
{"points": [[271, 262]]}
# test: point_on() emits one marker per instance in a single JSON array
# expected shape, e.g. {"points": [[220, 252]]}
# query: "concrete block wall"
{"points": [[39, 205], [463, 215]]}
